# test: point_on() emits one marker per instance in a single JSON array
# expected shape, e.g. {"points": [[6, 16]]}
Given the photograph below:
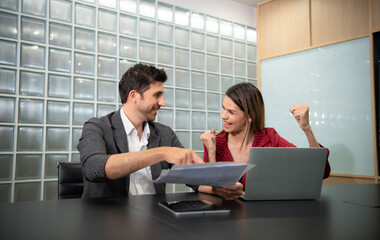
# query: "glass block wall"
{"points": [[60, 62]]}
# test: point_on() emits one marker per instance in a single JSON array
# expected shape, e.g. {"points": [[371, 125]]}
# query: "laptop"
{"points": [[285, 173]]}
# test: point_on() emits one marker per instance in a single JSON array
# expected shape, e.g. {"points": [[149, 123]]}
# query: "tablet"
{"points": [[193, 208]]}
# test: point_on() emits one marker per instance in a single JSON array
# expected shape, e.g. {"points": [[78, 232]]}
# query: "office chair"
{"points": [[70, 180]]}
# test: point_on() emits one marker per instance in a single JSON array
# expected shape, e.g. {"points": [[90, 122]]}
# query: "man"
{"points": [[123, 151]]}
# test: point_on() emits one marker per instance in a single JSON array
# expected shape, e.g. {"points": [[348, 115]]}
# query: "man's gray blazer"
{"points": [[105, 136]]}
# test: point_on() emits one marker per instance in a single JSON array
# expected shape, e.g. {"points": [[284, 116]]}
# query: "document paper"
{"points": [[216, 174]]}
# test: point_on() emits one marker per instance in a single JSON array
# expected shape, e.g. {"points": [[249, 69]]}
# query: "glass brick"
{"points": [[6, 166], [84, 39], [106, 67], [197, 40], [8, 54], [128, 25], [60, 35], [212, 63], [28, 166], [198, 100], [128, 47], [182, 16], [29, 191], [148, 8], [165, 54], [168, 95], [128, 5], [253, 81], [107, 91], [182, 78], [103, 109], [7, 136], [147, 51], [32, 56], [82, 112], [59, 60], [226, 28], [182, 57], [35, 7], [227, 82], [212, 25], [84, 64], [76, 134], [31, 111], [196, 143], [9, 25], [7, 109], [240, 50], [213, 121], [198, 60], [213, 83], [10, 5], [184, 138], [239, 80], [240, 68], [165, 33], [251, 52], [75, 157], [226, 47], [7, 80], [182, 98], [198, 121], [50, 190], [212, 44], [182, 37], [59, 86], [107, 43], [239, 31], [198, 80], [169, 73], [226, 65], [85, 15], [251, 35], [107, 20], [213, 102], [165, 12], [84, 88], [29, 138], [252, 70], [5, 191], [51, 162], [58, 112], [147, 29], [60, 10], [32, 83], [197, 20], [180, 188], [124, 65], [108, 3], [57, 139], [165, 116]]}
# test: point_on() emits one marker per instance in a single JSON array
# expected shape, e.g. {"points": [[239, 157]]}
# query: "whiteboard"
{"points": [[335, 81]]}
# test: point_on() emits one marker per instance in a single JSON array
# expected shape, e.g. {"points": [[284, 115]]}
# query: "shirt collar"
{"points": [[129, 128]]}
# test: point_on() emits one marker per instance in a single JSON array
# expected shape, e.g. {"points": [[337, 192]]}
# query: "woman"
{"points": [[244, 127]]}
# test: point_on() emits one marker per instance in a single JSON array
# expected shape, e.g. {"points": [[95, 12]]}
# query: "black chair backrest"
{"points": [[70, 180]]}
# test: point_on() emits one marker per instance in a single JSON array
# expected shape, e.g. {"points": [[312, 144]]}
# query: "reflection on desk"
{"points": [[139, 217]]}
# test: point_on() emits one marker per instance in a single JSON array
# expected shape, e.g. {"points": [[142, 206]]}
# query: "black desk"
{"points": [[139, 217]]}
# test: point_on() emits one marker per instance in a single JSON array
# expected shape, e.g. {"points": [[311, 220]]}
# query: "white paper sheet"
{"points": [[210, 174]]}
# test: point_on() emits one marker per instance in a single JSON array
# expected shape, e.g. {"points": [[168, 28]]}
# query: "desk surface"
{"points": [[343, 212]]}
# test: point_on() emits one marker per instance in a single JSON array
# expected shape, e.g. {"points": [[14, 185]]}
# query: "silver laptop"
{"points": [[285, 173]]}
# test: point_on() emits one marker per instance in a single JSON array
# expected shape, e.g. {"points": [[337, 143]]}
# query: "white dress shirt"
{"points": [[139, 181]]}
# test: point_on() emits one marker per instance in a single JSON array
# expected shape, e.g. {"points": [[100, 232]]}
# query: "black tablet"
{"points": [[193, 208]]}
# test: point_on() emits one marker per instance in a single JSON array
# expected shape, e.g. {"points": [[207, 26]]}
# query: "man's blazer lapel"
{"points": [[153, 142], [119, 132]]}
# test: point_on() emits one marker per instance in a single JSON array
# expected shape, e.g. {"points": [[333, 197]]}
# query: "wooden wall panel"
{"points": [[338, 20], [375, 15], [283, 27], [348, 180]]}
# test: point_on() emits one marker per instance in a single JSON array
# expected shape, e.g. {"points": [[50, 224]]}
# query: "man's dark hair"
{"points": [[138, 78]]}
